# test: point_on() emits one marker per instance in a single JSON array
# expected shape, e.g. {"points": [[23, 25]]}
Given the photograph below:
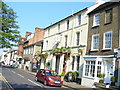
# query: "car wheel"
{"points": [[45, 83], [36, 78]]}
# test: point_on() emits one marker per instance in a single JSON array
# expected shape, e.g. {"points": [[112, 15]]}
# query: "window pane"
{"points": [[66, 41], [78, 38], [108, 16], [95, 42], [79, 19], [108, 40], [67, 24], [78, 62], [73, 60], [97, 19]]}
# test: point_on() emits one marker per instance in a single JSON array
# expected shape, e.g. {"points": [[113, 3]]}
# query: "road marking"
{"points": [[3, 78], [20, 75], [34, 82], [13, 71]]}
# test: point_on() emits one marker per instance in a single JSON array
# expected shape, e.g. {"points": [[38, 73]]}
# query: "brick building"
{"points": [[31, 45], [103, 39]]}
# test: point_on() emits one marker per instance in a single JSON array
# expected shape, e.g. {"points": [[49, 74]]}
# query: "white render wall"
{"points": [[53, 33], [53, 37]]}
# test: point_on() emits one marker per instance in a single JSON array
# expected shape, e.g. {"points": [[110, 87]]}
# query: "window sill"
{"points": [[94, 50], [107, 23], [95, 26], [89, 77], [107, 49]]}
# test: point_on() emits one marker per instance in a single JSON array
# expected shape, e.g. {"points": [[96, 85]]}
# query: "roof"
{"points": [[66, 18], [37, 43], [103, 6]]}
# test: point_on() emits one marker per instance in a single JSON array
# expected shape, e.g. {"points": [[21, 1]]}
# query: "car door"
{"points": [[39, 74], [43, 76]]}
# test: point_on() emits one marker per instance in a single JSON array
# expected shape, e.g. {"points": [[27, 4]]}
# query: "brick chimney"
{"points": [[28, 33]]}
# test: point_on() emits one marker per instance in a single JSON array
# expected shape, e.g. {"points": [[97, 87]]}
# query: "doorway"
{"points": [[57, 63], [108, 71]]}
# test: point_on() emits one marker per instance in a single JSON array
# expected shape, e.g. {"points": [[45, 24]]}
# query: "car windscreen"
{"points": [[51, 73]]}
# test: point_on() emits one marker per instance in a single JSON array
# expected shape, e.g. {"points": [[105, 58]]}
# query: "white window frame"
{"points": [[89, 73], [94, 20], [92, 43], [104, 42], [100, 67]]}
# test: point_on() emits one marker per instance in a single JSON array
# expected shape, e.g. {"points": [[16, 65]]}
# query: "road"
{"points": [[18, 79]]}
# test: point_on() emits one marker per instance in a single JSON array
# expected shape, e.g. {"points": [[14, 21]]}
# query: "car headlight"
{"points": [[49, 78]]}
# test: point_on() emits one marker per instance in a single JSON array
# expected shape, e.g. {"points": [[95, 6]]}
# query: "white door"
{"points": [[108, 71]]}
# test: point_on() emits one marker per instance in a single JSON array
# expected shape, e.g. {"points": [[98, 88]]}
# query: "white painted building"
{"points": [[71, 32], [9, 56]]}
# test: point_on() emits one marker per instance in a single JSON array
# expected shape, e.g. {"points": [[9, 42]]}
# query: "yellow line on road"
{"points": [[3, 78]]}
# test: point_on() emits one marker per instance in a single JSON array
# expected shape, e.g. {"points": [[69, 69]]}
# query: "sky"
{"points": [[34, 13]]}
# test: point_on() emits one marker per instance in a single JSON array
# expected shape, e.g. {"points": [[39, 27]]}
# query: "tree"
{"points": [[9, 35]]}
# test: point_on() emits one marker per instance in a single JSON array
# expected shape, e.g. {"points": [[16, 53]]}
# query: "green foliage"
{"points": [[50, 68], [63, 49], [46, 55], [9, 35], [55, 50], [62, 74], [39, 53], [101, 75], [48, 63], [74, 75], [69, 51], [113, 79], [80, 50]]}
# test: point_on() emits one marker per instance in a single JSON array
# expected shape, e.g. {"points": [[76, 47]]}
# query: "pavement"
{"points": [[71, 85]]}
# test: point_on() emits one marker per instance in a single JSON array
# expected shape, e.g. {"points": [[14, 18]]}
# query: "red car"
{"points": [[49, 77]]}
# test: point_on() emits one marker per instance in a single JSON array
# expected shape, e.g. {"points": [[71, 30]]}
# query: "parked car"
{"points": [[49, 77]]}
